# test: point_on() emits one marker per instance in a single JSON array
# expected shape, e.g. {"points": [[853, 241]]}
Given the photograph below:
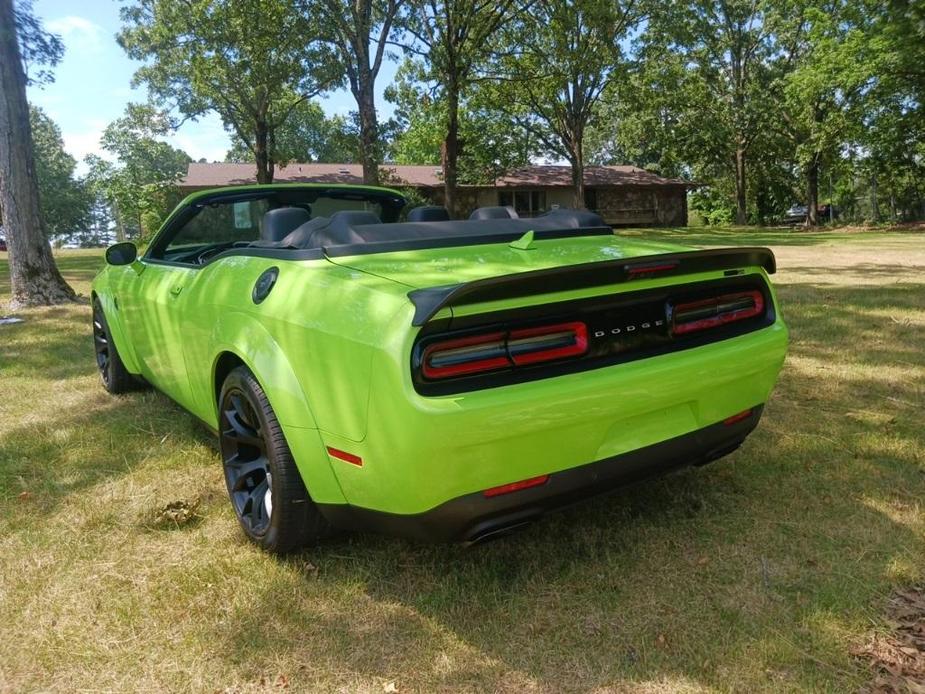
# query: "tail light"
{"points": [[502, 350], [710, 313]]}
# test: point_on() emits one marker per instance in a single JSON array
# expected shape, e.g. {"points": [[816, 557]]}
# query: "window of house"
{"points": [[591, 198], [527, 203]]}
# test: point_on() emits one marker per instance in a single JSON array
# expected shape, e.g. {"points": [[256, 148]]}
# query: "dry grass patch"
{"points": [[758, 573]]}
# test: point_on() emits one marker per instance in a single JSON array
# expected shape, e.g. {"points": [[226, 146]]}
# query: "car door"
{"points": [[154, 315], [156, 307]]}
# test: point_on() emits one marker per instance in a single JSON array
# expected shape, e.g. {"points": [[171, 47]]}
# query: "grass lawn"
{"points": [[757, 573]]}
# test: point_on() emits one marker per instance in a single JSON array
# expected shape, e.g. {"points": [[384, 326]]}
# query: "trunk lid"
{"points": [[435, 267]]}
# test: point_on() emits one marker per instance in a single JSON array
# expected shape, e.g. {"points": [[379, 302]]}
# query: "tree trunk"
{"points": [[577, 162], [812, 192], [451, 149], [120, 225], [741, 205], [874, 201], [34, 276], [369, 129], [262, 153]]}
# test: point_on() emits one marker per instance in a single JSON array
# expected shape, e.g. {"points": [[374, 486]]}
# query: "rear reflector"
{"points": [[710, 313], [502, 350], [516, 486], [637, 271], [346, 457], [736, 418]]}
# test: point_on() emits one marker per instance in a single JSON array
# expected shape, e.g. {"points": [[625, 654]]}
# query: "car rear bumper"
{"points": [[475, 517]]}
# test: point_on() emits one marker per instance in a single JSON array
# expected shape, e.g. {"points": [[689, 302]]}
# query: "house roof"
{"points": [[561, 176], [200, 175], [222, 174]]}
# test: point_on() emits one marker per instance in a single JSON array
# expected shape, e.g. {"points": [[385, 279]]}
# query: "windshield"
{"points": [[229, 220]]}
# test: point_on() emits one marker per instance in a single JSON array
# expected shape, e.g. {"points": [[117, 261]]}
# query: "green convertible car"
{"points": [[439, 379]]}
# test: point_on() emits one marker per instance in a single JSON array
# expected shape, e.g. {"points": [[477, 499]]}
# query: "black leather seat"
{"points": [[305, 235], [429, 213], [279, 223], [494, 213]]}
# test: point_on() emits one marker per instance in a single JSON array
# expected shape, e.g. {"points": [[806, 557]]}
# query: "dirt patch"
{"points": [[898, 656]]}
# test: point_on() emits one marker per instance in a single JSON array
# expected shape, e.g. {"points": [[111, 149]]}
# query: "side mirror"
{"points": [[121, 254]]}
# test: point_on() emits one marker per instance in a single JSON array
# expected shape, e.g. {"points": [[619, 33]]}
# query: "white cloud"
{"points": [[80, 143], [79, 33]]}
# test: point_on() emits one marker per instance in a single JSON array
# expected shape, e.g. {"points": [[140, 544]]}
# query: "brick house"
{"points": [[622, 195]]}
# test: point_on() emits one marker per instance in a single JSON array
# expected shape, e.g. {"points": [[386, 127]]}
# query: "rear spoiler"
{"points": [[428, 302]]}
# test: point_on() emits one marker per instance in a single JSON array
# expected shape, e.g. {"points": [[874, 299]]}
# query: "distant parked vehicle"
{"points": [[797, 214]]}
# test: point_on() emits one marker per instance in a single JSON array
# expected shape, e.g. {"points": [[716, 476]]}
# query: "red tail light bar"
{"points": [[719, 310], [502, 350]]}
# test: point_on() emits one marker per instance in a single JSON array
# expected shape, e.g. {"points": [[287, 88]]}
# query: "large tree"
{"points": [[251, 61], [818, 74], [453, 40], [34, 276], [359, 30], [563, 55], [723, 48]]}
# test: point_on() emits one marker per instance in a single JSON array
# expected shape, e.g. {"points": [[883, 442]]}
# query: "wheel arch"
{"points": [[256, 350], [109, 306]]}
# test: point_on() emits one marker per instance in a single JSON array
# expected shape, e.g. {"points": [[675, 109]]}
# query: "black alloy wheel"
{"points": [[247, 468], [113, 374], [267, 493]]}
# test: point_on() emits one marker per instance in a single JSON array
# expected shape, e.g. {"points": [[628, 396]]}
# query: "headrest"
{"points": [[494, 213], [569, 217], [278, 223], [429, 213]]}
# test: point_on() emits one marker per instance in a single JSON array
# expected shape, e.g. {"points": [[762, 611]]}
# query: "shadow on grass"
{"points": [[51, 344], [880, 272], [50, 453], [759, 236], [49, 458]]}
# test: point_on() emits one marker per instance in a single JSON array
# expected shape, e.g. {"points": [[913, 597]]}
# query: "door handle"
{"points": [[175, 291]]}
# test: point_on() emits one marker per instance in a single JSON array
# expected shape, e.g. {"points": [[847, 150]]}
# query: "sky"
{"points": [[93, 83]]}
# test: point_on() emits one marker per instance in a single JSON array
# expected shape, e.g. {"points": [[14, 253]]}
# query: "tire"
{"points": [[113, 374], [267, 494]]}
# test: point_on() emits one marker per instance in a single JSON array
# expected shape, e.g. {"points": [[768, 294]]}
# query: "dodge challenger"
{"points": [[370, 368]]}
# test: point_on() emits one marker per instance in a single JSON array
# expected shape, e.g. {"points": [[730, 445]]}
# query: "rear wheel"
{"points": [[115, 377], [265, 487]]}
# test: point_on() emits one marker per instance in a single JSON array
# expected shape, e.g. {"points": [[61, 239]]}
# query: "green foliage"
{"points": [[40, 50], [308, 135], [65, 200], [140, 187], [251, 61], [489, 143]]}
